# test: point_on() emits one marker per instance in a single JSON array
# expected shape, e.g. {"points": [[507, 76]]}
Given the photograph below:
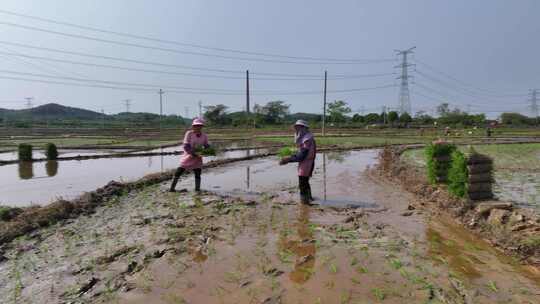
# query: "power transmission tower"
{"points": [[534, 103], [200, 109], [404, 96], [187, 111], [384, 114], [29, 106], [127, 102], [29, 102]]}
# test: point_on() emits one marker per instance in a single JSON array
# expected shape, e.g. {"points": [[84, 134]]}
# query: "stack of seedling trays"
{"points": [[480, 169]]}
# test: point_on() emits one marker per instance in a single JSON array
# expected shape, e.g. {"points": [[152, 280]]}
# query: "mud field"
{"points": [[248, 241]]}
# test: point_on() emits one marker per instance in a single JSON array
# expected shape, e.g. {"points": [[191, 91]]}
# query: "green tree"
{"points": [[516, 119], [421, 117], [274, 111], [372, 118], [337, 110], [216, 114], [393, 116], [405, 118], [358, 118]]}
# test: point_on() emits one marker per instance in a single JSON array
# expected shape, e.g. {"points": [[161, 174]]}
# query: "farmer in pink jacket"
{"points": [[193, 139], [307, 149]]}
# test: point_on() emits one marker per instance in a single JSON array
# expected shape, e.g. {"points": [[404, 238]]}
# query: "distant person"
{"points": [[305, 157], [447, 131], [193, 139], [488, 131]]}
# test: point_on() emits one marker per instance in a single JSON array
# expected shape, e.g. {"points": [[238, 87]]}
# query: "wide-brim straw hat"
{"points": [[198, 122], [301, 122]]}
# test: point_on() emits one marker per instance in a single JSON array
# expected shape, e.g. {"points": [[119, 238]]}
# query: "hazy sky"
{"points": [[491, 47]]}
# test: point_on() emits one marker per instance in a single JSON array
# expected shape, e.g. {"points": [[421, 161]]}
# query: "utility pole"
{"points": [[200, 109], [404, 96], [534, 104], [384, 114], [186, 108], [247, 92], [324, 106], [160, 111], [127, 102]]}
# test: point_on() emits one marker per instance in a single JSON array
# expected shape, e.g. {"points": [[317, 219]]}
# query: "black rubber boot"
{"points": [[310, 197], [177, 174], [198, 184], [304, 192], [197, 180]]}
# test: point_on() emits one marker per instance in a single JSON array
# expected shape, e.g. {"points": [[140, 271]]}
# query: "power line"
{"points": [[494, 94], [111, 82], [169, 50], [145, 90], [158, 64], [179, 73], [118, 83], [174, 42], [462, 90]]}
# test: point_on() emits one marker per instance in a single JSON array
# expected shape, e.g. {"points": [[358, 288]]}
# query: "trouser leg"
{"points": [[197, 179], [177, 174], [308, 188], [303, 184]]}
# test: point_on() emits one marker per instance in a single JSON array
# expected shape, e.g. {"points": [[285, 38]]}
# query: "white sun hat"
{"points": [[301, 122]]}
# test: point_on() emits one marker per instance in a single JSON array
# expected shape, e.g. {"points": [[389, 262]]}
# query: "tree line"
{"points": [[338, 114]]}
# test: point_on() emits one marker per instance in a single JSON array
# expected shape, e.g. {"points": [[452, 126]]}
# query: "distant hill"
{"points": [[56, 113], [304, 116], [51, 111]]}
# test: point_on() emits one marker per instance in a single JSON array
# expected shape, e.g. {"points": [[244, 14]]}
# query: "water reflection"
{"points": [[324, 176], [248, 172], [26, 170], [302, 246], [51, 167], [338, 157]]}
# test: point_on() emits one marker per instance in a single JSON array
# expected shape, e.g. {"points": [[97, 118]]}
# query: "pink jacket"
{"points": [[191, 142]]}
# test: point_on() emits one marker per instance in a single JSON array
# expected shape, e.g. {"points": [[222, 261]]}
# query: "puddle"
{"points": [[335, 181], [24, 184]]}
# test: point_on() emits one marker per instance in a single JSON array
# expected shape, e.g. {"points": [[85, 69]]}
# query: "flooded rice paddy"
{"points": [[260, 246], [10, 156], [516, 180], [26, 183]]}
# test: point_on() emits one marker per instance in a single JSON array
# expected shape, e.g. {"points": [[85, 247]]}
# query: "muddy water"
{"points": [[334, 180], [42, 182], [276, 253], [219, 145], [7, 156]]}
